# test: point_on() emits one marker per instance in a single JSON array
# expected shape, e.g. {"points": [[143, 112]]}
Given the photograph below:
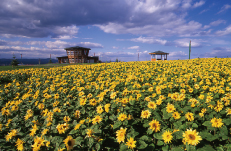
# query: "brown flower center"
{"points": [[192, 137], [69, 143]]}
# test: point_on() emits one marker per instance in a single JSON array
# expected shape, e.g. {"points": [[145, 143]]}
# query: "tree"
{"points": [[117, 60], [50, 61], [14, 62]]}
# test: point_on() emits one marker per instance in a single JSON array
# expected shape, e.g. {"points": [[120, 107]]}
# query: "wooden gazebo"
{"points": [[156, 53]]}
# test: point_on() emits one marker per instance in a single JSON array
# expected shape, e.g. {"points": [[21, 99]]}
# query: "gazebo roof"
{"points": [[158, 53], [76, 47]]}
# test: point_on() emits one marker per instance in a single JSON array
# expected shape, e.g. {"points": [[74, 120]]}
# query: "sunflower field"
{"points": [[164, 105]]}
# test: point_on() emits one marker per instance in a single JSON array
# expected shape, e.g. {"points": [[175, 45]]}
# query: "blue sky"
{"points": [[115, 29]]}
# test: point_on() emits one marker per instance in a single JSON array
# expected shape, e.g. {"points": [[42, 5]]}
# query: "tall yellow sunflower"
{"points": [[145, 114], [122, 117], [216, 122], [120, 134], [131, 143], [191, 137], [176, 115], [69, 142], [154, 125], [189, 116], [152, 105], [170, 108], [99, 109], [97, 119], [167, 136], [107, 107]]}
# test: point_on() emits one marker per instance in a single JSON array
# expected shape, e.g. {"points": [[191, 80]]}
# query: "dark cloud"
{"points": [[44, 18], [60, 19]]}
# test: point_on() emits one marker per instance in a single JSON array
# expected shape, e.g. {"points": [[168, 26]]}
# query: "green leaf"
{"points": [[194, 125], [190, 147], [177, 124], [165, 148], [160, 143], [144, 138], [123, 147], [142, 145], [97, 146], [177, 149], [73, 131], [206, 148], [158, 135], [149, 131], [179, 135], [166, 115], [226, 121], [207, 123], [208, 136], [112, 117], [91, 141], [132, 102], [117, 124], [146, 124]]}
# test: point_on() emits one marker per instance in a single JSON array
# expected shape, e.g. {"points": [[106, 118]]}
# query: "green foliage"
{"points": [[14, 61]]}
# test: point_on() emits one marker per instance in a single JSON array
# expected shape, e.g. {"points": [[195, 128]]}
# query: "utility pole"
{"points": [[138, 56], [189, 48], [21, 59]]}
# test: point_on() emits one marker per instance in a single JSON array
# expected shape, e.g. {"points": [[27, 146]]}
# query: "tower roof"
{"points": [[76, 47]]}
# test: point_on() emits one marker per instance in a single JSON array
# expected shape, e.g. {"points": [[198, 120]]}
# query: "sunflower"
{"points": [[191, 137], [170, 108], [62, 128], [66, 119], [152, 105], [77, 114], [106, 107], [216, 122], [97, 119], [93, 102], [154, 125], [228, 110], [131, 143], [82, 101], [167, 136], [99, 109], [145, 114], [89, 132], [122, 117], [120, 134], [69, 142], [189, 116], [19, 144], [176, 115]]}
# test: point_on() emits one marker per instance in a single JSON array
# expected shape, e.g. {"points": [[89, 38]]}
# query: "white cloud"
{"points": [[185, 42], [114, 47], [67, 32], [134, 47], [90, 45], [198, 4], [150, 40], [227, 31], [217, 22], [224, 8], [177, 54], [203, 11]]}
